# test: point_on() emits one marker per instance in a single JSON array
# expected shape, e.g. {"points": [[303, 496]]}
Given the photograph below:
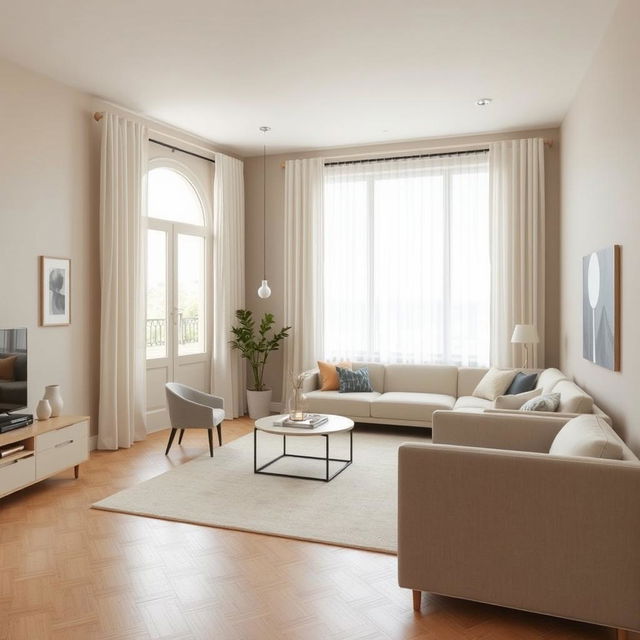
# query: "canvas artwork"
{"points": [[55, 290], [601, 307]]}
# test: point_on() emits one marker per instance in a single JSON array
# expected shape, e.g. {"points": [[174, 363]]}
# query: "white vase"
{"points": [[259, 403], [52, 394], [43, 410]]}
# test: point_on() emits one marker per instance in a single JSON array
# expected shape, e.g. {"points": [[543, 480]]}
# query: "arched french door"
{"points": [[177, 301]]}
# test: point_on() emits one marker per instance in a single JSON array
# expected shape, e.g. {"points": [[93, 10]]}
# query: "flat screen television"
{"points": [[13, 369]]}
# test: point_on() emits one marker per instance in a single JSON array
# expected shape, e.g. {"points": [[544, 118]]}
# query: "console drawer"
{"points": [[62, 455], [52, 439], [16, 474]]}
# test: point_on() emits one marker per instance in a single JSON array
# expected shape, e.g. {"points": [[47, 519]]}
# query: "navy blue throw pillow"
{"points": [[353, 381], [522, 383]]}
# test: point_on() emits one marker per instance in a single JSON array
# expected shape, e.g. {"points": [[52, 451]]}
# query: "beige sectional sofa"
{"points": [[407, 394], [487, 513]]}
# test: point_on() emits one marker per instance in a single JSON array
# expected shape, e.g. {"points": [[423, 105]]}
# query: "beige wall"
{"points": [[601, 206], [48, 200], [275, 232]]}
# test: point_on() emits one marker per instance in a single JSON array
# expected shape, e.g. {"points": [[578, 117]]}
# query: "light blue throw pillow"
{"points": [[548, 402], [354, 381]]}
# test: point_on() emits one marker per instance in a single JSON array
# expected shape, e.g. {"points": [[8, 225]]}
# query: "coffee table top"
{"points": [[335, 424]]}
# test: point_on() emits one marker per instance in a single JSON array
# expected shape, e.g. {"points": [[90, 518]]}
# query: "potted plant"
{"points": [[255, 348]]}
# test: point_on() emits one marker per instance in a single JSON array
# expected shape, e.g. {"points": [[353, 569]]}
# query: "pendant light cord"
{"points": [[264, 212]]}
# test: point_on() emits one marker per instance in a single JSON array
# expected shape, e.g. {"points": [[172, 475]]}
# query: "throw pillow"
{"points": [[521, 383], [514, 402], [494, 383], [354, 381], [589, 436], [7, 366], [548, 402], [329, 380]]}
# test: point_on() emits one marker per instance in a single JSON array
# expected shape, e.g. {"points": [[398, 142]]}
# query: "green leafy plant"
{"points": [[256, 347]]}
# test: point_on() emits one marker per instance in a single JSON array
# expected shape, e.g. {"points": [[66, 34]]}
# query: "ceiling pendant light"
{"points": [[264, 291]]}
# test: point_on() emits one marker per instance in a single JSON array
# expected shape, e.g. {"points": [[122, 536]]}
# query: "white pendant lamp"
{"points": [[264, 291]]}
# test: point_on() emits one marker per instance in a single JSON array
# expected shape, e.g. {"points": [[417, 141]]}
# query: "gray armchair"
{"points": [[193, 409]]}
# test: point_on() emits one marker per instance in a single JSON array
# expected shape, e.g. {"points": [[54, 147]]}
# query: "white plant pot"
{"points": [[259, 403]]}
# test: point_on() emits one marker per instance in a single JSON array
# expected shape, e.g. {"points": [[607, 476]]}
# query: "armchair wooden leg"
{"points": [[417, 599], [621, 634], [181, 434], [219, 427], [171, 437], [210, 432]]}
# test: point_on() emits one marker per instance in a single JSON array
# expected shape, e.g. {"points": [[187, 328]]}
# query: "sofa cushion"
{"points": [[341, 404], [328, 373], [572, 398], [421, 378], [402, 405], [548, 379], [354, 381], [522, 383], [376, 373], [471, 402], [468, 378], [494, 383], [548, 402], [515, 401], [589, 436]]}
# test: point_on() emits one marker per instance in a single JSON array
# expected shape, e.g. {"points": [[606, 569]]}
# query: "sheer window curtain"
{"points": [[123, 168], [302, 267], [227, 372], [406, 261], [516, 169]]}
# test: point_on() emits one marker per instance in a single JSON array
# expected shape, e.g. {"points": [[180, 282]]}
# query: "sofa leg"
{"points": [[417, 599], [621, 634]]}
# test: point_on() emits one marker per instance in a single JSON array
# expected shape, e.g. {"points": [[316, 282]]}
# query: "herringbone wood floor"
{"points": [[67, 571]]}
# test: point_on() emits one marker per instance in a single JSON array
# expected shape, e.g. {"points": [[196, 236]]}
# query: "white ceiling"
{"points": [[319, 72]]}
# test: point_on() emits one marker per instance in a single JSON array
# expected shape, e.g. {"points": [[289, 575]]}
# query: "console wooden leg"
{"points": [[621, 634], [417, 599], [76, 471]]}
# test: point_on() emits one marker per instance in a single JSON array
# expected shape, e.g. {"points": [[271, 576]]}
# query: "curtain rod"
{"points": [[97, 116], [444, 154]]}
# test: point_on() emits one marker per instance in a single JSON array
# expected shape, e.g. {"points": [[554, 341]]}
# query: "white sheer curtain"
{"points": [[406, 260], [302, 266], [516, 169], [227, 372], [122, 345]]}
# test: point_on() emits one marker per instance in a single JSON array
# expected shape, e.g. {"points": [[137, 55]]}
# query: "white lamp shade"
{"points": [[525, 334]]}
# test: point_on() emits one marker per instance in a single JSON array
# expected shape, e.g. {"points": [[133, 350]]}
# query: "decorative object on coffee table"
{"points": [[525, 334], [297, 405], [55, 291], [601, 307], [256, 349], [334, 424]]}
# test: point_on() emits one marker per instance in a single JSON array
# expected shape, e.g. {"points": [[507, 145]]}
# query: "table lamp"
{"points": [[525, 334]]}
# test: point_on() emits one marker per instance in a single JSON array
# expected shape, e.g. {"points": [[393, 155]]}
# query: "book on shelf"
{"points": [[7, 451], [312, 421]]}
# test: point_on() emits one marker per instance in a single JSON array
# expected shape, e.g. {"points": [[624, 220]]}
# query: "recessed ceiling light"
{"points": [[483, 102]]}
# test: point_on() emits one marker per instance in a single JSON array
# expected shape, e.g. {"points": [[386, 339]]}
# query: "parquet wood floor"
{"points": [[70, 572]]}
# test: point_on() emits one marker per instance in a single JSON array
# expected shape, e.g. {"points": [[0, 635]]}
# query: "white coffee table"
{"points": [[335, 424]]}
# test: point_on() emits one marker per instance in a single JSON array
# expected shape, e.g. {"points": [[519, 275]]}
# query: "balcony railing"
{"points": [[188, 331]]}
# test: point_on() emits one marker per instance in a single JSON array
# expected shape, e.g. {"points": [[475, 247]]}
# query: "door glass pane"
{"points": [[156, 329], [191, 334], [172, 197]]}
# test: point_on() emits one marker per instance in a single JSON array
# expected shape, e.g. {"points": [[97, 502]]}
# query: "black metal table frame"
{"points": [[284, 454]]}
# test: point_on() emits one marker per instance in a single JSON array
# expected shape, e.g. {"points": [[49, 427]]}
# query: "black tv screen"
{"points": [[13, 369]]}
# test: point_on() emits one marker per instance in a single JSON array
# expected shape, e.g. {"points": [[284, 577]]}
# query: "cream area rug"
{"points": [[356, 509]]}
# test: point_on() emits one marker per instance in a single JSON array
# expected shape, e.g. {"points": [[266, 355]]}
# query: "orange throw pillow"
{"points": [[7, 365], [329, 380]]}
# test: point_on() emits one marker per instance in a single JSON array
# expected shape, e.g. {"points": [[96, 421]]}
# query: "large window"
{"points": [[406, 260]]}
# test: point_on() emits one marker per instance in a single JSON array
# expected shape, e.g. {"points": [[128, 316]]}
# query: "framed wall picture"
{"points": [[601, 307], [55, 291]]}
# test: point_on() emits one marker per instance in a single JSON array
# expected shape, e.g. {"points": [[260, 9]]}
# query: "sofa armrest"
{"points": [[311, 380], [516, 431], [522, 530], [552, 414]]}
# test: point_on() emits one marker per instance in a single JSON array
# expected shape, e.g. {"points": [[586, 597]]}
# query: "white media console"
{"points": [[50, 446]]}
